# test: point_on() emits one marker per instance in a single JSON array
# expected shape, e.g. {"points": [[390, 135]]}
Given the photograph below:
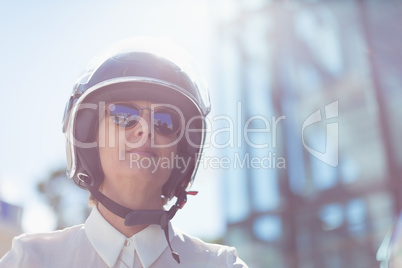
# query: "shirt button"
{"points": [[127, 243]]}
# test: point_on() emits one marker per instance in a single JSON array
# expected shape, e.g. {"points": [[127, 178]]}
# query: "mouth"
{"points": [[141, 152]]}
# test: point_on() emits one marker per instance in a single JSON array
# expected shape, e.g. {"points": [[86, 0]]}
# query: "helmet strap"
{"points": [[141, 217]]}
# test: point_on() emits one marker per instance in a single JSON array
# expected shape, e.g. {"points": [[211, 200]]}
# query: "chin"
{"points": [[144, 173]]}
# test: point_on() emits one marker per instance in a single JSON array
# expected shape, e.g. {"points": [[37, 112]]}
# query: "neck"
{"points": [[131, 203]]}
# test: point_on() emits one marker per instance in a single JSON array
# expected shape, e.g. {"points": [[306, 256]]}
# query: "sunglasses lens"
{"points": [[167, 121], [124, 115]]}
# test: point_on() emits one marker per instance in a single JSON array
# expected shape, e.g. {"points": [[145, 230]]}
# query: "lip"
{"points": [[142, 152]]}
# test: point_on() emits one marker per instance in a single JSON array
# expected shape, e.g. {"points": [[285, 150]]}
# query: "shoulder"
{"points": [[51, 239], [33, 250], [194, 249]]}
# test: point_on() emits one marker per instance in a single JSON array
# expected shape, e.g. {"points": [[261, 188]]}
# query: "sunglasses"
{"points": [[166, 121]]}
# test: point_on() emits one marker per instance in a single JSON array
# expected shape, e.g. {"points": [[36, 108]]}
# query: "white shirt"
{"points": [[98, 244]]}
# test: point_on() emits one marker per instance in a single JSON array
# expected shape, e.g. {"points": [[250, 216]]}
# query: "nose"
{"points": [[143, 127]]}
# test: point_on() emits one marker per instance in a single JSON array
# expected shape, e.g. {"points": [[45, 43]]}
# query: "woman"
{"points": [[135, 130]]}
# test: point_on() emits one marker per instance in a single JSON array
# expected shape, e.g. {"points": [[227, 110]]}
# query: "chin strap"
{"points": [[140, 217]]}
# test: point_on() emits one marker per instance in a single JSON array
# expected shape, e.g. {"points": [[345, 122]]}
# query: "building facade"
{"points": [[316, 85]]}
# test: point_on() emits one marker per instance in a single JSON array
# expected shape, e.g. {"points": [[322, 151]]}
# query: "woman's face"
{"points": [[136, 157]]}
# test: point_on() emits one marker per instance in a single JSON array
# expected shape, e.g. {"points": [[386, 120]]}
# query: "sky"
{"points": [[45, 46]]}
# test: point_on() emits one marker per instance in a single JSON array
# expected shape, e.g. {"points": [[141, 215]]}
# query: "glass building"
{"points": [[314, 91]]}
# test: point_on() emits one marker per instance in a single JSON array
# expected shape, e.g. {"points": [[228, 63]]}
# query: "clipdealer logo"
{"points": [[331, 155], [229, 134]]}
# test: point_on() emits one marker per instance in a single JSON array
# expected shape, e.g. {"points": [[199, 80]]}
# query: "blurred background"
{"points": [[312, 91]]}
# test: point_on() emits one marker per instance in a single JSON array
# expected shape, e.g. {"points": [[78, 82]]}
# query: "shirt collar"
{"points": [[149, 243]]}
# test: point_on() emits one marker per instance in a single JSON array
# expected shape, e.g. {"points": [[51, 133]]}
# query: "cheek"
{"points": [[110, 137], [106, 156], [170, 148], [108, 146]]}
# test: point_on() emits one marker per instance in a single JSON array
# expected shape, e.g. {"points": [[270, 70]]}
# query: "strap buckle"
{"points": [[182, 199]]}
